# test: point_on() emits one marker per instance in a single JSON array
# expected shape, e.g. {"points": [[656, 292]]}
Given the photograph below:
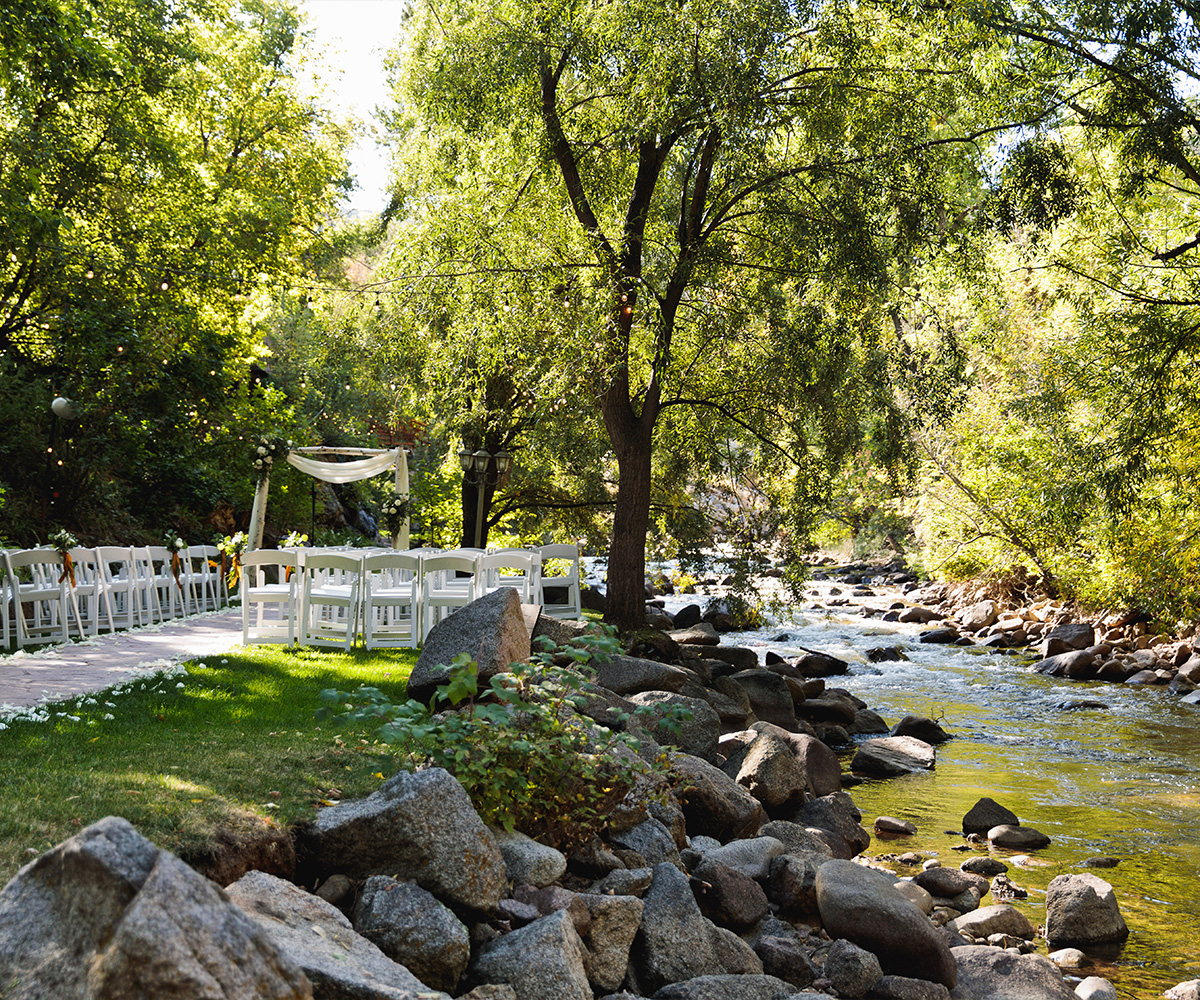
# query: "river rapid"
{"points": [[1122, 781]]}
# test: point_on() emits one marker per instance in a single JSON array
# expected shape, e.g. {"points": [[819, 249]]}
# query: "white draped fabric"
{"points": [[345, 472]]}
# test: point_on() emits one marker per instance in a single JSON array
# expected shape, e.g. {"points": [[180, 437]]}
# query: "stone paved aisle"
{"points": [[56, 672]]}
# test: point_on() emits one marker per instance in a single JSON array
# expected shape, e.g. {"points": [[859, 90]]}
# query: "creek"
{"points": [[1122, 781]]}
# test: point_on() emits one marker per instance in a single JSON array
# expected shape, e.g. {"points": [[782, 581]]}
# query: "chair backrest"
{"points": [[391, 562], [108, 556], [449, 562], [325, 561], [259, 559], [569, 553], [39, 563]]}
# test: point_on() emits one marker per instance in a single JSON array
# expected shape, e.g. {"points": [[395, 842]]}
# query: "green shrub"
{"points": [[526, 757]]}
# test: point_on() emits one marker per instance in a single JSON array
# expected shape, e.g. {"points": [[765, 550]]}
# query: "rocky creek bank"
{"points": [[732, 877]]}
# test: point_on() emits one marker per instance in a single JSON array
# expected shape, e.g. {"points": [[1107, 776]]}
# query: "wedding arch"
{"points": [[372, 462]]}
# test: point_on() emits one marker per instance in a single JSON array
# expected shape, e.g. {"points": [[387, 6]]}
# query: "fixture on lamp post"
{"points": [[475, 471]]}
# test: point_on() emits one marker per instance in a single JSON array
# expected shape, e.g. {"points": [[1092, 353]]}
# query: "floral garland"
{"points": [[266, 451], [395, 510], [63, 542]]}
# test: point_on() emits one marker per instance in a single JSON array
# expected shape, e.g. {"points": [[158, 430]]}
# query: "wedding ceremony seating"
{"points": [[330, 596]]}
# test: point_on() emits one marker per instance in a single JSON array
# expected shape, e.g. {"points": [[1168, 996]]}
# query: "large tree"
{"points": [[158, 164]]}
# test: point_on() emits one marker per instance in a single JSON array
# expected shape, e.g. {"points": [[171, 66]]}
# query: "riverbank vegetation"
{"points": [[908, 278]]}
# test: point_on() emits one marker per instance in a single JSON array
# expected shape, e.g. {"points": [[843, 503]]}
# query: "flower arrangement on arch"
{"points": [[395, 510], [63, 542], [266, 451]]}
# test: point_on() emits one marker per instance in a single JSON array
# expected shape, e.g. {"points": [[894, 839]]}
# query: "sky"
{"points": [[352, 37]]}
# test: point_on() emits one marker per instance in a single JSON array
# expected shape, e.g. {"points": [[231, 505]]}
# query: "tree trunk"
{"points": [[631, 439]]}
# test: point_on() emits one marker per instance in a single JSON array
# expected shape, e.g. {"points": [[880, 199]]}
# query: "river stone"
{"points": [[316, 935], [673, 942], [614, 924], [419, 826], [626, 675], [1096, 988], [864, 907], [948, 882], [813, 664], [713, 803], [107, 915], [998, 919], [1077, 663], [1074, 635], [768, 769], [984, 865], [411, 927], [491, 631], [752, 856], [821, 764], [851, 969], [1017, 838], [688, 615], [921, 728], [985, 814], [986, 973], [543, 960], [837, 820], [799, 841], [770, 697], [941, 636], [737, 656], [651, 839], [920, 615], [904, 988], [918, 895], [698, 736], [792, 884], [728, 898], [1189, 990], [828, 707], [725, 987], [735, 955], [526, 861], [892, 755], [894, 827], [699, 634], [1082, 909], [981, 615], [867, 721]]}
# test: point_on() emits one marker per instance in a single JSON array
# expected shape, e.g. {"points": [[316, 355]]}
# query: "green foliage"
{"points": [[526, 756]]}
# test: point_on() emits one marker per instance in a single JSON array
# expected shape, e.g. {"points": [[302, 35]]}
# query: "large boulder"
{"points": [[714, 805], [1075, 635], [821, 765], [985, 814], [543, 960], [892, 755], [792, 884], [1082, 909], [799, 840], [979, 615], [526, 861], [626, 675], [768, 769], [410, 926], [728, 898], [491, 631], [837, 820], [770, 697], [814, 664], [651, 839], [921, 728], [864, 907], [986, 973], [752, 856], [613, 926], [317, 936], [673, 942], [418, 826], [697, 736], [948, 882], [107, 915], [726, 987]]}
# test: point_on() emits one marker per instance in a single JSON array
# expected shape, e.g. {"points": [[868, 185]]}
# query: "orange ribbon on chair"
{"points": [[68, 568], [175, 569], [234, 571]]}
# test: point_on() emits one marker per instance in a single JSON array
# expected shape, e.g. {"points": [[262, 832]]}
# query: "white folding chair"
{"points": [[168, 594], [517, 568], [552, 586], [120, 590], [443, 590], [86, 590], [260, 593], [34, 580], [391, 606], [329, 600]]}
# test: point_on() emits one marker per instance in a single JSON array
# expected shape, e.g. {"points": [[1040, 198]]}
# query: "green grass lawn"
{"points": [[230, 745]]}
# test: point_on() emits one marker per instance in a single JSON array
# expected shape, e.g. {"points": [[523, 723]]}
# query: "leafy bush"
{"points": [[519, 746]]}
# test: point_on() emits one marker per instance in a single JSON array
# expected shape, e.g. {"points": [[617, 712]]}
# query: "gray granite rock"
{"points": [[987, 813], [838, 821], [792, 884], [851, 969], [724, 987], [626, 675], [1017, 838], [673, 943], [614, 924], [543, 960], [697, 737], [735, 956], [419, 826], [768, 769], [770, 697], [727, 897], [892, 755], [997, 919], [411, 927], [1081, 910], [752, 856], [526, 861], [339, 961], [986, 973], [713, 803], [651, 840], [491, 631]]}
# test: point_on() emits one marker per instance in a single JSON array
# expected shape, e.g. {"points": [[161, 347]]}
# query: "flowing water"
{"points": [[1123, 781]]}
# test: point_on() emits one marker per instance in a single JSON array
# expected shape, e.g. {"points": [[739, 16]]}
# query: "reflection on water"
{"points": [[1123, 781]]}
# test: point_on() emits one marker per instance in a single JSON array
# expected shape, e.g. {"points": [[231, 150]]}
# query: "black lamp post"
{"points": [[475, 466]]}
